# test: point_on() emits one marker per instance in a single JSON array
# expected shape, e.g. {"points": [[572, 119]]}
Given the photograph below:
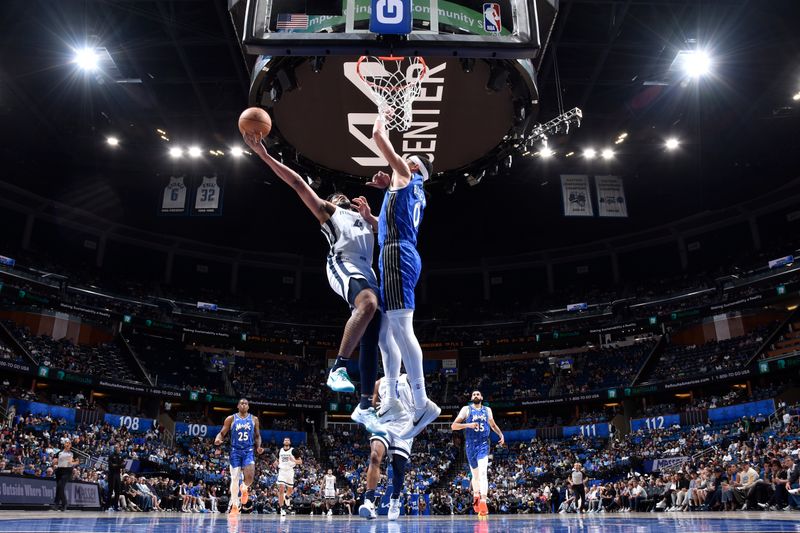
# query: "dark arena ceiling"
{"points": [[176, 66]]}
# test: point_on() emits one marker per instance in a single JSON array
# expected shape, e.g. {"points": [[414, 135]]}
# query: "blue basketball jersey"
{"points": [[477, 437], [401, 213], [242, 432]]}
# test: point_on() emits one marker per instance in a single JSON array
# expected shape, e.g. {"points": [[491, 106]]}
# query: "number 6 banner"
{"points": [[173, 198], [208, 197]]}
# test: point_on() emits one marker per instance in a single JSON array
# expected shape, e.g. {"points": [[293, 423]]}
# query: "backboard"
{"points": [[504, 29]]}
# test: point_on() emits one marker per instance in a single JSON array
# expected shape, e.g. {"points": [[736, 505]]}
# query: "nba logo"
{"points": [[491, 18]]}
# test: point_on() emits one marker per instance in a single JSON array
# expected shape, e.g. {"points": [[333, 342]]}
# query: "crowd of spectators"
{"points": [[684, 360], [299, 379], [102, 359]]}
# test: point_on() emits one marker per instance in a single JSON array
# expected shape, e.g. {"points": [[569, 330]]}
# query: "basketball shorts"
{"points": [[286, 477], [394, 444], [242, 458], [330, 494], [400, 267], [476, 453], [348, 277]]}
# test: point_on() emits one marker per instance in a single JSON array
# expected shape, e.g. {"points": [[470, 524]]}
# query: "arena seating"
{"points": [[172, 365], [279, 379], [679, 361]]}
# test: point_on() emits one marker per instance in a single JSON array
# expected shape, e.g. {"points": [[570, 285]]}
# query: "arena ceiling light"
{"points": [[590, 153], [607, 154], [236, 151], [672, 144], [796, 97], [86, 59], [696, 63], [175, 152], [546, 152], [195, 152], [112, 141]]}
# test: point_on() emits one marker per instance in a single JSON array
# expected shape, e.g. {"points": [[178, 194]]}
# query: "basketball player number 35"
{"points": [[389, 11]]}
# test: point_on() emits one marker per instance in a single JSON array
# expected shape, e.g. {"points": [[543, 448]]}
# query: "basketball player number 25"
{"points": [[243, 436], [417, 213], [389, 11]]}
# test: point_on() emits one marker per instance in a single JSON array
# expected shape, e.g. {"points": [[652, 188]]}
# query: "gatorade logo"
{"points": [[389, 11]]}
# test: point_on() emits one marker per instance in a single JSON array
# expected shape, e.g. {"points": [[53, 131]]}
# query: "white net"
{"points": [[395, 82]]}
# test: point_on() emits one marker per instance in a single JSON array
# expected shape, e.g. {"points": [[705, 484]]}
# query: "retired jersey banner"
{"points": [[208, 197], [576, 195], [610, 196], [173, 198]]}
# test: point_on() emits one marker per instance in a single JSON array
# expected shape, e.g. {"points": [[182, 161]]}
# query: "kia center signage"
{"points": [[327, 118]]}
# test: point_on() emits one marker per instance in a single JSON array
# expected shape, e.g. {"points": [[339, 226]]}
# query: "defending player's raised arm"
{"points": [[397, 163], [458, 424], [495, 427], [226, 427], [318, 207], [257, 435]]}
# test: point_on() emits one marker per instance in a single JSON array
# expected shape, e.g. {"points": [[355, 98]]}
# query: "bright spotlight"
{"points": [[86, 59], [672, 143], [236, 151], [796, 97], [112, 141], [195, 151], [608, 153], [546, 152], [175, 152], [697, 63], [590, 153]]}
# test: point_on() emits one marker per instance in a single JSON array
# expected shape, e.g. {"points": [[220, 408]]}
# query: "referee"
{"points": [[115, 465], [577, 479], [64, 465]]}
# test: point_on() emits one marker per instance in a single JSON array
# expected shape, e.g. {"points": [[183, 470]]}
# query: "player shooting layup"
{"points": [[401, 214], [350, 275], [245, 437], [477, 420]]}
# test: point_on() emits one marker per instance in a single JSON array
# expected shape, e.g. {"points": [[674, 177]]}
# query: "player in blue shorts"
{"points": [[477, 422], [400, 265], [245, 439]]}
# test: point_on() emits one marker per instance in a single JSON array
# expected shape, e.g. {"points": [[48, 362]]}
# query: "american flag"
{"points": [[292, 21]]}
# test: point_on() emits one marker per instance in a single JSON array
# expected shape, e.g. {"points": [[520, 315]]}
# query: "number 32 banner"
{"points": [[208, 197]]}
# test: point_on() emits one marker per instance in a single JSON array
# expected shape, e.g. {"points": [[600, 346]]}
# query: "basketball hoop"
{"points": [[395, 82]]}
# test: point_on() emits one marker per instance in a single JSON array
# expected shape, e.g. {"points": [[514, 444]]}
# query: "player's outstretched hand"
{"points": [[502, 441], [259, 450], [253, 140], [380, 180], [218, 441], [362, 205]]}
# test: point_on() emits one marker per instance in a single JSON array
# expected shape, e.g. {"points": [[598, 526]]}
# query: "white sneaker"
{"points": [[394, 508], [391, 409], [369, 419], [367, 510], [283, 511], [330, 512], [422, 417], [793, 491], [339, 380]]}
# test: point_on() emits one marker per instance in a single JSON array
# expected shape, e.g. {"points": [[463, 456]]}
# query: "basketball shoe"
{"points": [[367, 510], [339, 380], [369, 419]]}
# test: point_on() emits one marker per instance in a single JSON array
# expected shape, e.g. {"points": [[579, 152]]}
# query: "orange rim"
{"points": [[420, 59]]}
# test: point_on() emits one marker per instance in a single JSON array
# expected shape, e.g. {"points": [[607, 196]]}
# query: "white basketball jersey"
{"points": [[207, 197], [349, 235], [285, 460], [174, 195], [330, 482]]}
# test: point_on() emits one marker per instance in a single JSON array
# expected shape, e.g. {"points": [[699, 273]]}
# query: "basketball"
{"points": [[254, 120]]}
